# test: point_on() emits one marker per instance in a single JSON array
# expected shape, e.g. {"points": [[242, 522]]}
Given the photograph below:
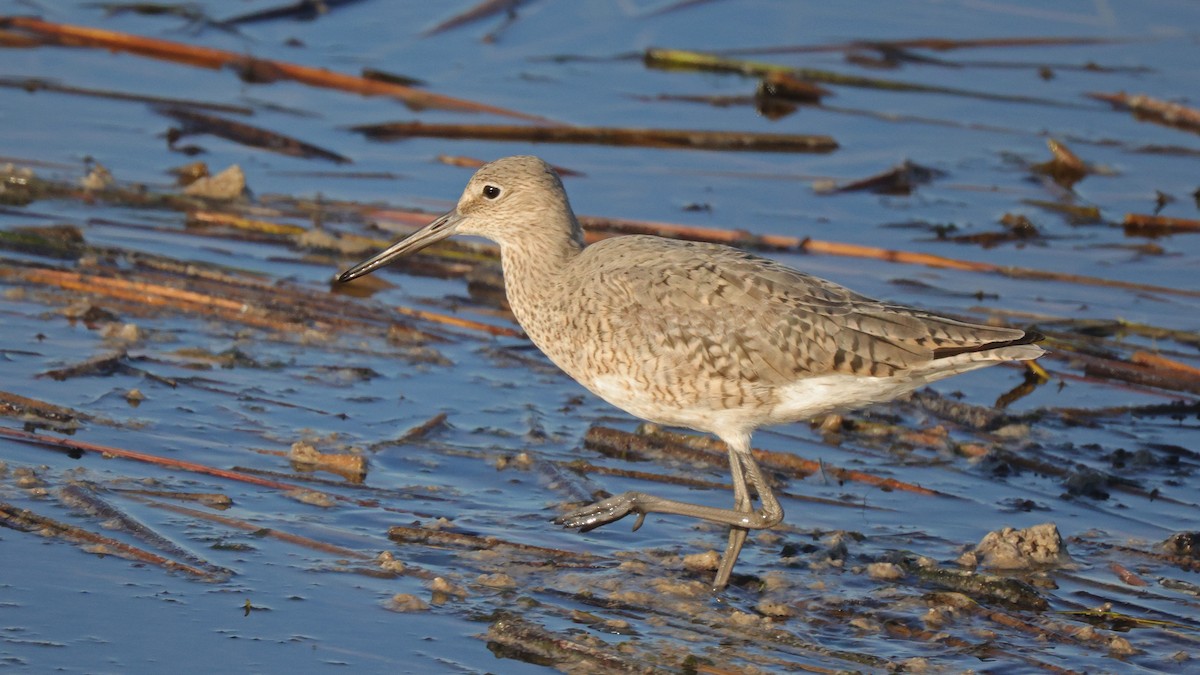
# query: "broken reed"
{"points": [[648, 138]]}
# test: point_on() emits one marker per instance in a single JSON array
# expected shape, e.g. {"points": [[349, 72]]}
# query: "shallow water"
{"points": [[63, 608]]}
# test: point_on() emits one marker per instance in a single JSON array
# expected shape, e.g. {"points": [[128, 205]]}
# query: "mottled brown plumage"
{"points": [[698, 335]]}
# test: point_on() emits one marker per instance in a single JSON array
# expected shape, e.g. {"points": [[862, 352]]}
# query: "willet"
{"points": [[697, 335]]}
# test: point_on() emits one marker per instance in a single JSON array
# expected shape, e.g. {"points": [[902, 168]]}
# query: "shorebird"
{"points": [[697, 335]]}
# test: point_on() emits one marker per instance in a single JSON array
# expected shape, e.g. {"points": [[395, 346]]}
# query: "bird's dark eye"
{"points": [[491, 191]]}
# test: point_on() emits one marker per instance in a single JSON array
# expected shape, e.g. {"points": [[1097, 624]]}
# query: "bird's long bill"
{"points": [[432, 233]]}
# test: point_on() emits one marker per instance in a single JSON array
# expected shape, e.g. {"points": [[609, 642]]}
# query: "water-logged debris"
{"points": [[227, 185], [78, 447], [888, 56], [440, 537], [35, 414], [186, 10], [99, 366], [193, 123], [1161, 200], [587, 468], [257, 530], [482, 10], [1119, 329], [1126, 576], [25, 520], [406, 602], [899, 180], [1142, 225], [1017, 228], [35, 84], [393, 78], [935, 261], [86, 498], [204, 218], [442, 591], [499, 580], [1155, 110], [984, 588], [18, 186], [974, 417], [29, 479], [686, 139], [347, 374], [885, 571], [1148, 373], [514, 637], [416, 433], [305, 456], [934, 44], [213, 500], [89, 314], [1076, 214], [778, 93], [1183, 545], [61, 242], [1090, 483], [678, 59], [1065, 168], [97, 178], [475, 163], [300, 10], [1034, 547], [312, 497]]}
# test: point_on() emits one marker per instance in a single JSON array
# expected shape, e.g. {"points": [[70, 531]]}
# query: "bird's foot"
{"points": [[607, 511]]}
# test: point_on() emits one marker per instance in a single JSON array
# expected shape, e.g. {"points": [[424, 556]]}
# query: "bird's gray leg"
{"points": [[744, 469], [771, 513], [737, 535]]}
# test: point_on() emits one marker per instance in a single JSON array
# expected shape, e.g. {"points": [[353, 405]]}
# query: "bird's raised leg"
{"points": [[741, 517]]}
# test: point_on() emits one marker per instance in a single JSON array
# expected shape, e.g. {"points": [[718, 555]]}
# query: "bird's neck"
{"points": [[534, 270]]}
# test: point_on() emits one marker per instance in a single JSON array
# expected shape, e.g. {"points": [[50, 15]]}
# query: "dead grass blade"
{"points": [[246, 134], [678, 59], [937, 261], [83, 497], [1154, 110], [301, 10], [457, 322], [152, 294], [252, 69], [648, 138], [935, 44], [26, 520], [423, 535], [34, 413], [511, 636], [36, 84], [259, 530], [1145, 225], [479, 12], [1143, 369], [195, 467]]}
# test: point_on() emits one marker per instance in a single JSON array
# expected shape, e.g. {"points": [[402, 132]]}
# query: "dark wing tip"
{"points": [[1029, 337]]}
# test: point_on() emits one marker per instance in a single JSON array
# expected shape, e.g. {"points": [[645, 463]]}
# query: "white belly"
{"points": [[800, 400]]}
